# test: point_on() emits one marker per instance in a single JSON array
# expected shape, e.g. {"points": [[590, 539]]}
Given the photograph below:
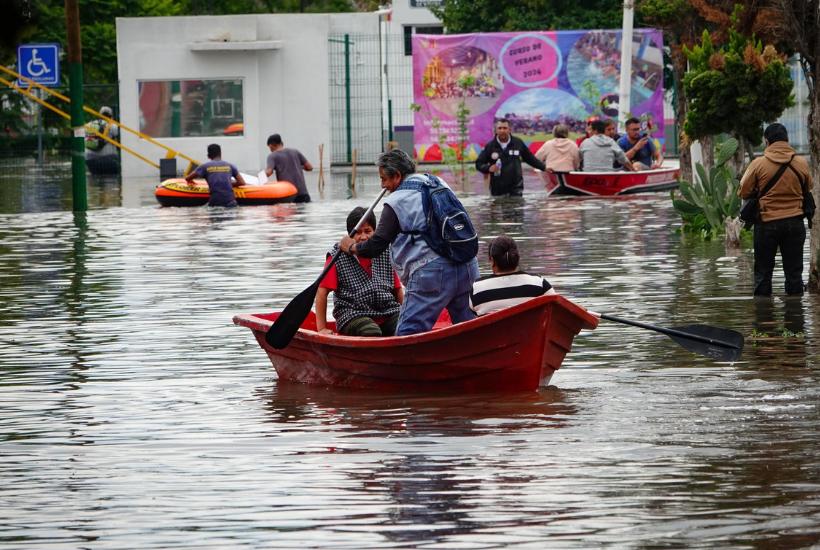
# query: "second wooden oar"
{"points": [[715, 342]]}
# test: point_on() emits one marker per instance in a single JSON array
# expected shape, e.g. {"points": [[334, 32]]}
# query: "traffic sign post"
{"points": [[39, 63]]}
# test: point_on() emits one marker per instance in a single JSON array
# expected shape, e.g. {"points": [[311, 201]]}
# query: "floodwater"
{"points": [[133, 414]]}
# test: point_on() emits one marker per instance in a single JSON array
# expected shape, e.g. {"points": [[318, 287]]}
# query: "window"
{"points": [[186, 108], [410, 31]]}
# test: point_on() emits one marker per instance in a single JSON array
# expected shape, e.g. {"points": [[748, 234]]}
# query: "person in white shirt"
{"points": [[507, 286]]}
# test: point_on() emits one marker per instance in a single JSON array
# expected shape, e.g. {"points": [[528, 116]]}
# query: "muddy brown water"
{"points": [[133, 414]]}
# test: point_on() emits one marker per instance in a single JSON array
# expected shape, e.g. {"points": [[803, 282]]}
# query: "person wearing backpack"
{"points": [[780, 224], [433, 244]]}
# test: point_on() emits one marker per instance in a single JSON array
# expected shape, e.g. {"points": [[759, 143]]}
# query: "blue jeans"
{"points": [[438, 285]]}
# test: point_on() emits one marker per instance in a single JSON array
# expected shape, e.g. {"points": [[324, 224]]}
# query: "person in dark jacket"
{"points": [[501, 158], [781, 211]]}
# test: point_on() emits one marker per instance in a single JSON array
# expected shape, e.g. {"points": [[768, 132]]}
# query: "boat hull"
{"points": [[605, 184], [177, 192], [517, 349]]}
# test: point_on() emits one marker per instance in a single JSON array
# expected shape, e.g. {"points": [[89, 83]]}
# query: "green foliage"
{"points": [[453, 152], [785, 333], [16, 25], [735, 89], [466, 16], [665, 13], [706, 204]]}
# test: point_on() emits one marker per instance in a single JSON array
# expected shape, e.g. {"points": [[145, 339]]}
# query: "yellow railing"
{"points": [[170, 153]]}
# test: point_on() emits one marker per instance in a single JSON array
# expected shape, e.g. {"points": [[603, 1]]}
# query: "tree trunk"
{"points": [[707, 146], [681, 108], [738, 161], [814, 150]]}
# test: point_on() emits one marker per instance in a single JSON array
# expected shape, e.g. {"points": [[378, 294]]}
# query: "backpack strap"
{"points": [[776, 178], [799, 177]]}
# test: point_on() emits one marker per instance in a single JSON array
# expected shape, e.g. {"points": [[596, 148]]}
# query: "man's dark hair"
{"points": [[632, 120], [599, 126], [214, 151], [275, 139], [502, 120], [609, 122], [776, 132], [396, 161], [356, 214]]}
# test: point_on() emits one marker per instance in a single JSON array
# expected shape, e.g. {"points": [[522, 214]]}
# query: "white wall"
{"points": [[285, 90], [405, 14]]}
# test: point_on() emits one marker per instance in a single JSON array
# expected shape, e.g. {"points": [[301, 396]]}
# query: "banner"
{"points": [[535, 79]]}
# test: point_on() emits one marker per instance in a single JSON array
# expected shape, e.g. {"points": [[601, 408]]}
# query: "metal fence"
{"points": [[33, 134], [371, 89]]}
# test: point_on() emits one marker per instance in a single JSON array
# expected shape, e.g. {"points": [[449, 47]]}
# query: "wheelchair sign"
{"points": [[40, 63]]}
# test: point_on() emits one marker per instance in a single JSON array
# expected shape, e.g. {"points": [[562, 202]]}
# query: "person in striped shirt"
{"points": [[507, 286]]}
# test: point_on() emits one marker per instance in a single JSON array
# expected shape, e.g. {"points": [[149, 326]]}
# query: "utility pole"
{"points": [[75, 92], [624, 98]]}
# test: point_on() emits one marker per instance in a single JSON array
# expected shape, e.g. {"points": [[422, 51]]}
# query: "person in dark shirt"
{"points": [[288, 164], [501, 158], [219, 175]]}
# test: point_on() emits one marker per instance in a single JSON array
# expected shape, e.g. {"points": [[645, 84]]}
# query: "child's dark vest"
{"points": [[359, 295]]}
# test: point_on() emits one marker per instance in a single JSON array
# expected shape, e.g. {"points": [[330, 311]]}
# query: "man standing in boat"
{"points": [[639, 148], [288, 164], [218, 174], [433, 282], [501, 158], [600, 152]]}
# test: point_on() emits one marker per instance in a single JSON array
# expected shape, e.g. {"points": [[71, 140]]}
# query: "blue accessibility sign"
{"points": [[39, 63]]}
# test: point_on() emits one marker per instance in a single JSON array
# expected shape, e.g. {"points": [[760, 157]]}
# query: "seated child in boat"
{"points": [[507, 286], [367, 294]]}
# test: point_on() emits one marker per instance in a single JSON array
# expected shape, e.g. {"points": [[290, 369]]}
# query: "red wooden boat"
{"points": [[517, 349], [604, 184]]}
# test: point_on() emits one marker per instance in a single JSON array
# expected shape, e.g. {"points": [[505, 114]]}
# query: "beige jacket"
{"points": [[560, 155], [785, 199]]}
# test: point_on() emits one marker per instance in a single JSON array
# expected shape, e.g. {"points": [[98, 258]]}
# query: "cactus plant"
{"points": [[706, 204]]}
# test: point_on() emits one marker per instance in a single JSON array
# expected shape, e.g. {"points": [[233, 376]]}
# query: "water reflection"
{"points": [[133, 413], [434, 494]]}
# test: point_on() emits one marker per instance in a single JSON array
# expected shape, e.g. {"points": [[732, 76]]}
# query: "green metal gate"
{"points": [[371, 89]]}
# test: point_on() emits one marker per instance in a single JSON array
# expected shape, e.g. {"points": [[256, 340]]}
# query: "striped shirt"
{"points": [[496, 292]]}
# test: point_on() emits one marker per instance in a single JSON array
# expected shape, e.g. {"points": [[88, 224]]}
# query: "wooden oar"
{"points": [[284, 328], [717, 343]]}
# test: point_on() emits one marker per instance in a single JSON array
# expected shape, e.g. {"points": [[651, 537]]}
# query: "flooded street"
{"points": [[134, 414]]}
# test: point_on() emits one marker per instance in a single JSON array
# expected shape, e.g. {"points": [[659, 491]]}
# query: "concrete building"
{"points": [[188, 82], [269, 72]]}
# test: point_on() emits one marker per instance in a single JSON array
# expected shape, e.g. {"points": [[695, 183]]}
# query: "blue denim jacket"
{"points": [[408, 253]]}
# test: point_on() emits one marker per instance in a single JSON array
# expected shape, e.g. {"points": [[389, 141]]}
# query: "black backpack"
{"points": [[448, 229]]}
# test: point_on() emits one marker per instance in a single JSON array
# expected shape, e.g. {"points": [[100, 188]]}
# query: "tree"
{"points": [[682, 24], [799, 23], [467, 16], [735, 89]]}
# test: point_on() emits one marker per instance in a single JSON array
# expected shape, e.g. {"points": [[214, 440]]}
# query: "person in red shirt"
{"points": [[367, 294], [581, 139]]}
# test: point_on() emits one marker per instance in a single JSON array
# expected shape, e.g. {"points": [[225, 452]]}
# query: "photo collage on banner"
{"points": [[536, 80]]}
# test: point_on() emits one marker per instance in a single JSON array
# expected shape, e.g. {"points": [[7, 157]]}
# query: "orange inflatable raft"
{"points": [[177, 192]]}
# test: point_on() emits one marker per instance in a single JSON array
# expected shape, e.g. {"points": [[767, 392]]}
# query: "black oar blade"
{"points": [[725, 345], [284, 328]]}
